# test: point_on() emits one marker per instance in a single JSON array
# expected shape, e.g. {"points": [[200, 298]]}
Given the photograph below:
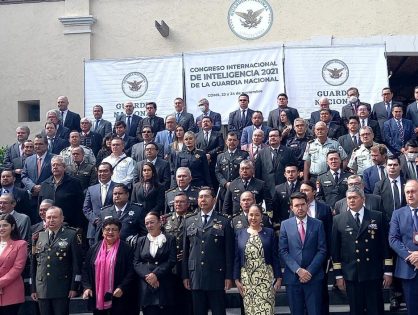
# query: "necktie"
{"points": [[388, 109], [206, 137], [97, 124], [63, 118], [146, 188], [51, 237], [180, 219], [245, 184], [205, 219], [177, 117], [401, 133], [415, 218], [50, 144], [39, 165], [396, 195], [382, 172], [302, 233], [128, 124], [103, 193], [292, 188], [170, 136], [363, 123], [336, 177], [412, 170], [355, 141], [358, 219], [243, 117]]}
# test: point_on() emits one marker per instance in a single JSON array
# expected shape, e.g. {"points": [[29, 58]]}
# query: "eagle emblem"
{"points": [[135, 85], [251, 18], [335, 73]]}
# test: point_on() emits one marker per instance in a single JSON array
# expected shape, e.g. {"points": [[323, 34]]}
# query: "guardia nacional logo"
{"points": [[335, 72], [250, 19], [134, 85]]}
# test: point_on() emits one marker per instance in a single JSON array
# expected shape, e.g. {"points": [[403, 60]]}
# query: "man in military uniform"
{"points": [[316, 151], [174, 223], [240, 220], [246, 182], [183, 179], [56, 265], [298, 143], [333, 184], [360, 255], [208, 256], [83, 170], [227, 164]]}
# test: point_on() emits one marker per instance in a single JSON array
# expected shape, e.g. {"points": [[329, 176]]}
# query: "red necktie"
{"points": [[301, 231]]}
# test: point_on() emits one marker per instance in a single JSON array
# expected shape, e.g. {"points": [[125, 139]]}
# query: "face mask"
{"points": [[202, 108], [411, 157], [353, 99]]}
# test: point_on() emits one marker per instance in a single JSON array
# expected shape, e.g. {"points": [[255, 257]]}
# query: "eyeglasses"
{"points": [[146, 132], [107, 230]]}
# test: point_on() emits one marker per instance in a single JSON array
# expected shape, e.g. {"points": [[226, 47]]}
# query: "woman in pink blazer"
{"points": [[13, 254]]}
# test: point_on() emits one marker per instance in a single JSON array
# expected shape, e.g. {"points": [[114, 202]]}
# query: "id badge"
{"points": [[415, 238]]}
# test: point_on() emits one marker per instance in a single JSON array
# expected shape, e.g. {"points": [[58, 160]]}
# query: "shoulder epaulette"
{"points": [[227, 216], [170, 190], [356, 148], [237, 214], [312, 140], [194, 188], [167, 215], [137, 204], [105, 207], [191, 214]]}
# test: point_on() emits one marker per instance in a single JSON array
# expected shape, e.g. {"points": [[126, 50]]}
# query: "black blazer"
{"points": [[214, 147], [315, 117], [124, 277], [152, 201], [157, 124], [163, 172], [59, 145], [72, 121], [95, 144], [348, 145], [161, 265], [135, 119], [383, 188], [372, 202], [234, 121]]}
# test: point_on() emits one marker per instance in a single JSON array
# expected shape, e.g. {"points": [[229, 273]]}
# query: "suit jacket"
{"points": [[123, 277], [30, 171], [348, 145], [58, 145], [315, 117], [273, 119], [153, 200], [104, 128], [214, 147], [135, 119], [348, 110], [129, 142], [161, 265], [186, 120], [93, 141], [372, 202], [270, 247], [216, 118], [21, 197], [132, 219], [138, 151], [17, 163], [212, 245], [392, 137], [383, 188], [281, 201], [23, 225], [12, 152], [273, 174], [72, 121], [12, 264], [380, 114], [408, 173], [376, 130], [400, 240], [360, 253], [335, 131], [412, 113], [157, 124], [93, 205], [370, 178], [309, 255], [329, 190], [234, 121], [249, 148], [163, 138], [163, 172], [247, 134]]}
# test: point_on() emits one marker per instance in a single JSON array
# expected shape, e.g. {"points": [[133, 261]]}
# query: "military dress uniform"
{"points": [[298, 147], [85, 172], [208, 260], [316, 153], [360, 255], [56, 269], [240, 221], [329, 190], [191, 192], [360, 159], [198, 165]]}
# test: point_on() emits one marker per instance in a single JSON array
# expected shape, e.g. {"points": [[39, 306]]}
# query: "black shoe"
{"points": [[395, 305]]}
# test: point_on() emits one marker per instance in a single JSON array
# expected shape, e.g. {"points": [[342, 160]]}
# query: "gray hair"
{"points": [[184, 169], [55, 112], [354, 189]]}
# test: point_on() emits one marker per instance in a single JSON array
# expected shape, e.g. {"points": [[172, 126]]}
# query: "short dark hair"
{"points": [[106, 164], [151, 103], [260, 208], [120, 123], [395, 157], [244, 94], [411, 143], [275, 129], [282, 94], [43, 138], [325, 110], [309, 183], [208, 117], [8, 170], [298, 195], [212, 192], [123, 186], [15, 234], [353, 117], [232, 134], [332, 152], [291, 165], [152, 143], [387, 88], [397, 106], [110, 221]]}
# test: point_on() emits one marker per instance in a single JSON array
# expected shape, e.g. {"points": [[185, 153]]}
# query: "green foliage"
{"points": [[3, 150]]}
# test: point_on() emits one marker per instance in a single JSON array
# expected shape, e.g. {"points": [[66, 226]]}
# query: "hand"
{"points": [[118, 292], [304, 275], [34, 296], [151, 279], [18, 171], [413, 257], [240, 287], [96, 221], [227, 185], [341, 284], [72, 294], [36, 189], [228, 284], [277, 284], [186, 283], [387, 281], [208, 157], [88, 293]]}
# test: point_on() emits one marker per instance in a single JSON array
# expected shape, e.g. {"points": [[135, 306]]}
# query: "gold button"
{"points": [[202, 252], [357, 251], [203, 241], [358, 260], [366, 240], [202, 263], [356, 242], [48, 266], [367, 259], [47, 274], [367, 249]]}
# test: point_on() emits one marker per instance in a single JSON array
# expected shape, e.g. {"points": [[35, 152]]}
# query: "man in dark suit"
{"points": [[18, 162], [334, 130], [351, 140], [363, 114], [89, 138], [282, 104], [353, 103], [70, 119], [138, 149], [156, 123], [412, 110], [246, 182], [324, 104], [120, 132], [56, 278], [97, 197], [403, 240], [360, 255], [212, 143], [256, 145], [209, 242], [271, 161], [240, 118], [282, 193], [184, 119], [391, 188], [372, 202], [333, 184], [397, 130], [408, 164], [382, 111], [302, 247], [40, 226], [55, 116], [131, 215], [16, 149], [101, 126], [247, 132], [376, 172], [299, 142], [166, 136], [36, 170], [55, 144], [20, 195], [216, 117], [130, 119]]}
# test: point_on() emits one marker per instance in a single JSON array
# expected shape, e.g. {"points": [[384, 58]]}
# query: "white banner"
{"points": [[222, 76], [110, 83], [313, 72]]}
